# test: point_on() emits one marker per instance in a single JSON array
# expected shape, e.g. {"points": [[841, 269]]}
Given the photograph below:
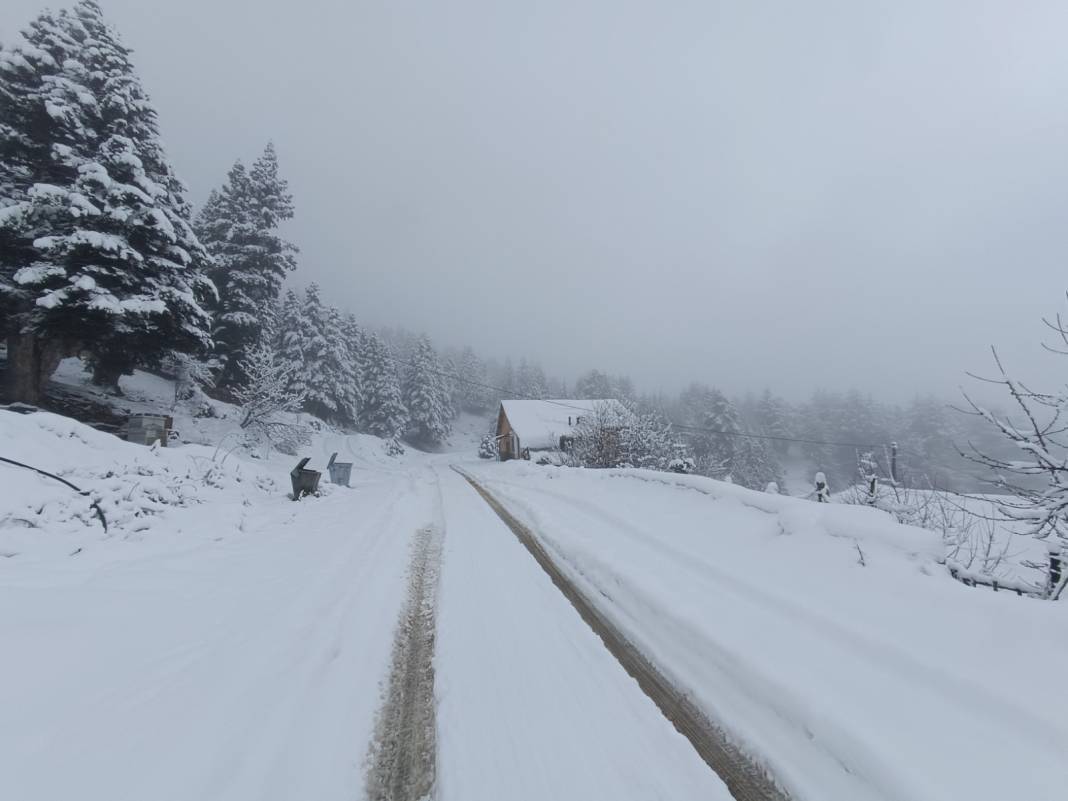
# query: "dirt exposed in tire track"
{"points": [[403, 752], [746, 779]]}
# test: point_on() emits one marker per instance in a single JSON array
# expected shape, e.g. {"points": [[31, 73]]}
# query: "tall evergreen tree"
{"points": [[772, 418], [342, 369], [426, 397], [102, 257], [311, 338], [475, 397], [453, 385], [239, 224], [43, 138], [383, 413], [594, 385], [530, 380]]}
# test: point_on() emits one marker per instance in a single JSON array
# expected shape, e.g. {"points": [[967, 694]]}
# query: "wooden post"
{"points": [[1054, 568], [893, 462]]}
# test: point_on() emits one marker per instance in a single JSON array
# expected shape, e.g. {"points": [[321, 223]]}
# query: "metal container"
{"points": [[340, 472], [145, 429], [305, 482]]}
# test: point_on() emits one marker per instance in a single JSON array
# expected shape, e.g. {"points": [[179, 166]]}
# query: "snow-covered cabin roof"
{"points": [[541, 423]]}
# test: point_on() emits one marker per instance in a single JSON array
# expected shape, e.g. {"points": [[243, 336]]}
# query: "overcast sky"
{"points": [[747, 193]]}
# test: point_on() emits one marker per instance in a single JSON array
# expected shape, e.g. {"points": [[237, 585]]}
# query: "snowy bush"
{"points": [[487, 448], [685, 465]]}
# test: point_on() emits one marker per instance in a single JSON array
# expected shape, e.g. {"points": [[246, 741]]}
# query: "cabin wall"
{"points": [[506, 438]]}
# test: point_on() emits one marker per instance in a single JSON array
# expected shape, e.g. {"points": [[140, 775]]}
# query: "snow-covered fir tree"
{"points": [[426, 397], [475, 397], [722, 446], [314, 341], [530, 380], [594, 385], [451, 379], [239, 225], [505, 379], [311, 339], [356, 344], [772, 419], [39, 153], [753, 463], [383, 413], [289, 338], [342, 367], [98, 251]]}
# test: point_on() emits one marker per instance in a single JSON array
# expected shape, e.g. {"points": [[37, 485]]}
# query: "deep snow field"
{"points": [[221, 641]]}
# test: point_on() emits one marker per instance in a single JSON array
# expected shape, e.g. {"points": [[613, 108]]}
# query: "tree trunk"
{"points": [[106, 373], [31, 360]]}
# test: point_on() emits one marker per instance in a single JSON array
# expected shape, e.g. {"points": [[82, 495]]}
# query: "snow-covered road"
{"points": [[531, 704], [247, 668], [242, 650]]}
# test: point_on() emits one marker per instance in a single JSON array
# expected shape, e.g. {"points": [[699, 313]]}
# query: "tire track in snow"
{"points": [[745, 779], [403, 753]]}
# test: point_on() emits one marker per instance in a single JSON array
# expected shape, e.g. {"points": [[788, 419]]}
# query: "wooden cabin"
{"points": [[526, 426]]}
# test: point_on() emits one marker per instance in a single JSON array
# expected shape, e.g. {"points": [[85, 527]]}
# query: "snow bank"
{"points": [[131, 485], [826, 638]]}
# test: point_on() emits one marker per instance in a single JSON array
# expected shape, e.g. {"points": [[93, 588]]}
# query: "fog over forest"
{"points": [[751, 195]]}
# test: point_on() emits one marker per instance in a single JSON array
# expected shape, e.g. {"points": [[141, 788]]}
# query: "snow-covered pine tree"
{"points": [[239, 224], [453, 386], [426, 397], [695, 407], [506, 380], [474, 395], [108, 259], [317, 377], [43, 138], [289, 341], [772, 417], [341, 369], [720, 443], [356, 347], [753, 464], [383, 413], [594, 385], [530, 380]]}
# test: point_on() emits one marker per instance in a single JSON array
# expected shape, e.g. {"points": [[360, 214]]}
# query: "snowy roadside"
{"points": [[219, 641], [881, 680]]}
